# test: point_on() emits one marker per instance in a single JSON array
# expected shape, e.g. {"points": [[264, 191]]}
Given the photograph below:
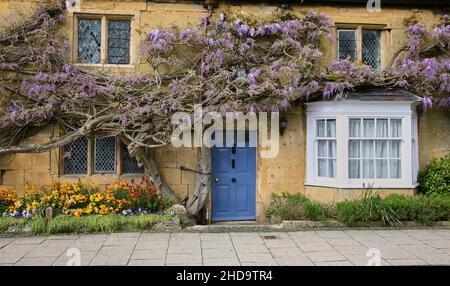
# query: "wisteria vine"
{"points": [[239, 64]]}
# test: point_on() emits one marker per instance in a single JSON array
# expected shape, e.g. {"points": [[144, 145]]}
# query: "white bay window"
{"points": [[351, 143], [374, 148], [326, 147]]}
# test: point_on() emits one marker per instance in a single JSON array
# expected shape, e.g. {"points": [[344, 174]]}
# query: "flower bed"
{"points": [[78, 199], [83, 207]]}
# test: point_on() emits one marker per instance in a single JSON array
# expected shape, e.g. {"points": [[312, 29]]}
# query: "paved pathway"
{"points": [[350, 247]]}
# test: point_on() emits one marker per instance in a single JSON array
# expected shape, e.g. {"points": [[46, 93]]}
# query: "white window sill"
{"points": [[376, 185]]}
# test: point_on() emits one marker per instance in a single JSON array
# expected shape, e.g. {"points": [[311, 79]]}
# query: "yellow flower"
{"points": [[17, 204]]}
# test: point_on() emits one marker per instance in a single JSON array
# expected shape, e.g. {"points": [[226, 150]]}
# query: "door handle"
{"points": [[233, 180], [216, 180]]}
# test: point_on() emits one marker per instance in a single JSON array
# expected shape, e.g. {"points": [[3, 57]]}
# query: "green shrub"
{"points": [[108, 223], [394, 208], [422, 208], [315, 211], [294, 207], [406, 208], [5, 222], [370, 207], [37, 225], [435, 177], [347, 212], [167, 202], [435, 207], [143, 222], [65, 224]]}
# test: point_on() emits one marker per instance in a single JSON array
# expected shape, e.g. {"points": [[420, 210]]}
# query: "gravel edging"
{"points": [[284, 226], [298, 225]]}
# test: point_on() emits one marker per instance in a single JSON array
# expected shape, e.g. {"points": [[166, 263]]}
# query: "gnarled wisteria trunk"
{"points": [[145, 158], [197, 199]]}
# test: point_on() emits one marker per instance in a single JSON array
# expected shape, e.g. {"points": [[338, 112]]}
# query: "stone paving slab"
{"points": [[300, 260], [36, 261], [256, 257], [315, 246], [302, 248], [46, 251], [85, 258], [148, 254], [221, 261], [334, 263], [29, 240], [184, 258], [286, 252], [8, 258], [217, 244], [218, 253], [406, 262], [363, 260], [152, 244], [325, 256], [353, 249], [146, 262], [4, 242]]}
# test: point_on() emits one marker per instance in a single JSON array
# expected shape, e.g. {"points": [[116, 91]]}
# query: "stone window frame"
{"points": [[358, 28], [105, 16], [343, 112], [119, 168]]}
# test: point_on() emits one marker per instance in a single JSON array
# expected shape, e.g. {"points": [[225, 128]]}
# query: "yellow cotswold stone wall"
{"points": [[285, 173], [434, 134]]}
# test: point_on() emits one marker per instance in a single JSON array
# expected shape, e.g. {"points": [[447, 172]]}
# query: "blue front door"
{"points": [[233, 183]]}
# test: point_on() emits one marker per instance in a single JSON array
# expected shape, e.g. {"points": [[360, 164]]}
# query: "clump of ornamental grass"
{"points": [[369, 208], [294, 207]]}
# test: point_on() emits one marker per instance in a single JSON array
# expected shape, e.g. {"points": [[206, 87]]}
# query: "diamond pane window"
{"points": [[371, 54], [347, 44], [130, 165], [89, 41], [105, 155], [118, 42], [76, 157]]}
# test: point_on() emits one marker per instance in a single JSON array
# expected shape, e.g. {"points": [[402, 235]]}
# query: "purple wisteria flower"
{"points": [[427, 102]]}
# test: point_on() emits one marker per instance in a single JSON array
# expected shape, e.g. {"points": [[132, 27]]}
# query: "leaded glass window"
{"points": [[105, 155], [89, 41], [347, 44], [371, 54], [130, 165], [76, 157], [118, 41]]}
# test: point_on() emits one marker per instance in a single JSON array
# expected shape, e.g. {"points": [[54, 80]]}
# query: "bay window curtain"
{"points": [[326, 147], [374, 148]]}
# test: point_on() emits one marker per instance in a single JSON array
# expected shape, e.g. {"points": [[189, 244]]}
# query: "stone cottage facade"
{"points": [[328, 149]]}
